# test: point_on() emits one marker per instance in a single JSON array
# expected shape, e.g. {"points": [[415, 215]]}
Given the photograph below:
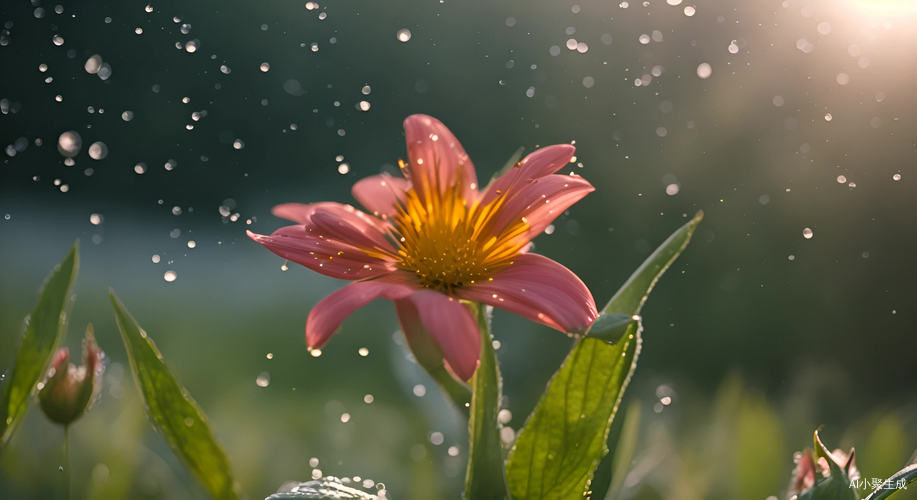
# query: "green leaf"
{"points": [[564, 438], [174, 414], [43, 331], [329, 488], [834, 487], [485, 477], [624, 450], [611, 327], [895, 483]]}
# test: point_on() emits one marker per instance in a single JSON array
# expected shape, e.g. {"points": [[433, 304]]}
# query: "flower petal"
{"points": [[540, 289], [540, 202], [452, 327], [353, 228], [380, 194], [328, 257], [436, 158], [326, 317], [300, 212], [539, 163]]}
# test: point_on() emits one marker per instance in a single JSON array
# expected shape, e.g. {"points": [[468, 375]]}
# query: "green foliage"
{"points": [[177, 417], [834, 487], [906, 475], [625, 448], [564, 438], [43, 331], [485, 477]]}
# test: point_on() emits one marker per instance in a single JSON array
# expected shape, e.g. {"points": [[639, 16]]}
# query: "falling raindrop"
{"points": [[98, 150], [704, 70], [69, 143], [93, 64]]}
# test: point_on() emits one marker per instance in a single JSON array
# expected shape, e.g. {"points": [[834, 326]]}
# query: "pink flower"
{"points": [[68, 391], [434, 239]]}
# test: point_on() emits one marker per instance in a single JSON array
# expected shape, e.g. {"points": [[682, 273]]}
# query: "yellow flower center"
{"points": [[449, 242]]}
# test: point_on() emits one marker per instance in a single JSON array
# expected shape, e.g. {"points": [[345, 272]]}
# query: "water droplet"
{"points": [[140, 168], [192, 45], [368, 398], [93, 64], [733, 48], [345, 417], [95, 219], [238, 144], [265, 67], [690, 10], [313, 462], [269, 355], [69, 143], [263, 379], [363, 352], [170, 276], [504, 416], [403, 35], [343, 168], [127, 115], [704, 70], [436, 438], [672, 189], [419, 390], [453, 451], [98, 150], [364, 105], [192, 243], [155, 258], [807, 233], [315, 353]]}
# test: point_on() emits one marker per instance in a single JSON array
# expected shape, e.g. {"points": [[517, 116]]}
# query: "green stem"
{"points": [[67, 461], [891, 485], [485, 477]]}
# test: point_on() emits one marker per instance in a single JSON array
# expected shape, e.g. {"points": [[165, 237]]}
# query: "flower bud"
{"points": [[68, 391]]}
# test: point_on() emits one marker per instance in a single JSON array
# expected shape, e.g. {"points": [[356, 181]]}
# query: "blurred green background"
{"points": [[805, 123]]}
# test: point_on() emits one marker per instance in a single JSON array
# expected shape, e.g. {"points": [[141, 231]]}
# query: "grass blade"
{"points": [[174, 414], [43, 332]]}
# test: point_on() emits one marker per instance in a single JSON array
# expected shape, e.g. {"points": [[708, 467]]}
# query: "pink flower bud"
{"points": [[68, 391]]}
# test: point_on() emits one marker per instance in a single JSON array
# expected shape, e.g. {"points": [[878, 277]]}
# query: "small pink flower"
{"points": [[68, 391], [434, 239]]}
